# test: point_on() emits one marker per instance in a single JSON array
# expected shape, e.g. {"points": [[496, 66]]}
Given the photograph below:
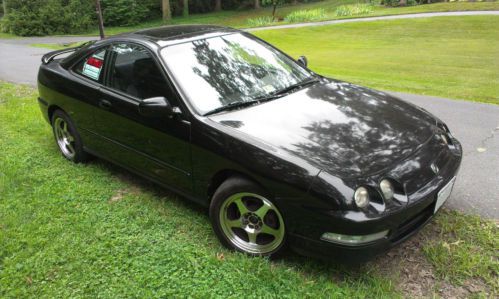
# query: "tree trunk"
{"points": [[165, 8], [273, 11], [295, 2], [185, 11], [403, 3], [4, 3], [257, 4], [98, 10], [218, 5]]}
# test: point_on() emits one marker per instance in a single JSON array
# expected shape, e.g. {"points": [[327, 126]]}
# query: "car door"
{"points": [[84, 87], [158, 147]]}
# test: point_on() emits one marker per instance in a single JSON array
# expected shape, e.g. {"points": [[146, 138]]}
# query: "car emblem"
{"points": [[434, 167]]}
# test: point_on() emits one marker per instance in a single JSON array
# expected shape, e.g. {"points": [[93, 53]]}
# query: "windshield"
{"points": [[231, 69]]}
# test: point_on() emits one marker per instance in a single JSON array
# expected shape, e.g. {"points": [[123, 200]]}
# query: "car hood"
{"points": [[341, 128]]}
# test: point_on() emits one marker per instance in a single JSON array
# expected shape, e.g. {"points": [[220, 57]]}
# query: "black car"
{"points": [[281, 156]]}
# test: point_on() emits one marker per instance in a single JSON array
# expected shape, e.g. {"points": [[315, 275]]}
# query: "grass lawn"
{"points": [[239, 19], [57, 46], [95, 230], [454, 57]]}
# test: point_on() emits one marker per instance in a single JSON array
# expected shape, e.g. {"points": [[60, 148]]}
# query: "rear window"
{"points": [[92, 66]]}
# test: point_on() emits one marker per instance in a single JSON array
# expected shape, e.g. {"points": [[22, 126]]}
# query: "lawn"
{"points": [[239, 19], [96, 230], [453, 57]]}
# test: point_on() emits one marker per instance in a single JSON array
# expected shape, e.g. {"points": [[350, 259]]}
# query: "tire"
{"points": [[245, 219], [67, 138]]}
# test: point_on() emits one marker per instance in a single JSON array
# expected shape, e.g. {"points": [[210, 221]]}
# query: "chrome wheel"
{"points": [[252, 223], [65, 140]]}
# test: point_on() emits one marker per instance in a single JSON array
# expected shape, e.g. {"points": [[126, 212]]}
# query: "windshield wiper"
{"points": [[298, 85], [232, 106], [265, 98]]}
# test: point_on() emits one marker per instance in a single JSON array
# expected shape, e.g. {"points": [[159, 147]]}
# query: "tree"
{"points": [[185, 11], [218, 5], [4, 3], [274, 4], [98, 10], [165, 9], [257, 4]]}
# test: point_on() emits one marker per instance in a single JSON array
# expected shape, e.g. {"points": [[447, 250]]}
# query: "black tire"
{"points": [[67, 137], [225, 210]]}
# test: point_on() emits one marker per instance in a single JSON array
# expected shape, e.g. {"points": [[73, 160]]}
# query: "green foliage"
{"points": [[306, 15], [123, 12], [45, 17], [353, 10], [261, 21]]}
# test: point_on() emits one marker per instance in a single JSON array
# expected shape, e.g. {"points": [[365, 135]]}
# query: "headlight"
{"points": [[386, 188], [361, 197]]}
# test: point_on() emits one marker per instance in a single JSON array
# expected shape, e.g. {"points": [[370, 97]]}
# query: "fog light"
{"points": [[361, 197], [353, 240], [387, 189]]}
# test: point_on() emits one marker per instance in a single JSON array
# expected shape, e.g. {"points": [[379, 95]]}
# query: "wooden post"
{"points": [[98, 10]]}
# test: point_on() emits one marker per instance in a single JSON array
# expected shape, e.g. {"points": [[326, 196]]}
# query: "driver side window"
{"points": [[133, 71]]}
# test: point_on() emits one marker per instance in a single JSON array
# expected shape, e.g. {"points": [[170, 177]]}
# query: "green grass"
{"points": [[239, 19], [463, 249], [84, 231], [95, 230], [454, 57], [7, 35], [56, 46]]}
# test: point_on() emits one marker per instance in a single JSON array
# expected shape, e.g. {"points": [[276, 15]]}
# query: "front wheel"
{"points": [[245, 219]]}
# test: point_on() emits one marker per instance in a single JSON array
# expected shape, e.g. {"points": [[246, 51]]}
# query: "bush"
{"points": [[261, 21], [123, 12], [45, 17], [306, 15], [353, 10]]}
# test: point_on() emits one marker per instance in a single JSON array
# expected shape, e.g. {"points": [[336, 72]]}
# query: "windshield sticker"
{"points": [[93, 67]]}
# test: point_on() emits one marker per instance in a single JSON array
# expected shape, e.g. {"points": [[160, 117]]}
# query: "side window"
{"points": [[92, 66], [134, 72]]}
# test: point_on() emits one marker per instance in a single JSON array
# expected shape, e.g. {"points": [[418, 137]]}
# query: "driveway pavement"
{"points": [[476, 125]]}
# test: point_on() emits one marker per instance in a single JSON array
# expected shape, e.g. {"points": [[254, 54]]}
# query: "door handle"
{"points": [[105, 104]]}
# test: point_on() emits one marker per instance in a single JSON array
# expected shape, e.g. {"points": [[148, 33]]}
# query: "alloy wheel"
{"points": [[65, 140], [252, 223]]}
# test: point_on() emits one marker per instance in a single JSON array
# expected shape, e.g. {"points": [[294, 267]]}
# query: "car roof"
{"points": [[171, 33], [160, 36]]}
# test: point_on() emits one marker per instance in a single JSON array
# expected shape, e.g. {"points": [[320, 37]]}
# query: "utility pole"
{"points": [[98, 10]]}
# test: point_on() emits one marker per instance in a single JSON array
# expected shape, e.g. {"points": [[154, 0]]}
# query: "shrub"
{"points": [[45, 17], [306, 15], [261, 21], [123, 12], [353, 10]]}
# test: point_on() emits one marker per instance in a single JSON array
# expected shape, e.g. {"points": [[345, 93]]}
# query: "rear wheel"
{"points": [[67, 137], [246, 219]]}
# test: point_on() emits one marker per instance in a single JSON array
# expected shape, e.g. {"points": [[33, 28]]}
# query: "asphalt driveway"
{"points": [[476, 125]]}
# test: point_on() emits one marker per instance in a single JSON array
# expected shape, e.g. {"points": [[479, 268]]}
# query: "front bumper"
{"points": [[401, 224]]}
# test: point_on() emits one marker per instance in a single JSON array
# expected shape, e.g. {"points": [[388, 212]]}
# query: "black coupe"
{"points": [[281, 156]]}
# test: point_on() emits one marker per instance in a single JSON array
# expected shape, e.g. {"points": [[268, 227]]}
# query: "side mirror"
{"points": [[303, 61], [156, 107]]}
